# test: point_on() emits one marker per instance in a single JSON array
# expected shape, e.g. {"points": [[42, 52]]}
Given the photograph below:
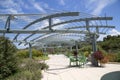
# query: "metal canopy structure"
{"points": [[53, 29]]}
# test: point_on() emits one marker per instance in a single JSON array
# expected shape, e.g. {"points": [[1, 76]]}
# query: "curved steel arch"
{"points": [[49, 17], [78, 20], [59, 15], [53, 16]]}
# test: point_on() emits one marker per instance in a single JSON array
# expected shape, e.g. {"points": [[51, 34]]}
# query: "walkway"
{"points": [[59, 70]]}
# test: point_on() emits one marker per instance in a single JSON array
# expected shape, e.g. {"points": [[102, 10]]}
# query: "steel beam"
{"points": [[42, 31], [99, 26], [22, 14], [81, 19], [26, 38]]}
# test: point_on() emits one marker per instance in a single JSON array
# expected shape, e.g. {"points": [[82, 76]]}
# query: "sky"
{"points": [[94, 7]]}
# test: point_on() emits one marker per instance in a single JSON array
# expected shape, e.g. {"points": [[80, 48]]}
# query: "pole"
{"points": [[70, 48], [94, 43], [77, 52], [30, 51], [94, 47], [76, 46]]}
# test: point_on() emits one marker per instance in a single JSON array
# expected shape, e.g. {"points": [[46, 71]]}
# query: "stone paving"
{"points": [[59, 70]]}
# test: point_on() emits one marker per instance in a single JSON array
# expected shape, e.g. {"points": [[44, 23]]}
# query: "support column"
{"points": [[94, 43], [50, 24], [87, 25], [94, 47], [7, 24], [71, 48], [76, 43], [76, 46], [30, 51]]}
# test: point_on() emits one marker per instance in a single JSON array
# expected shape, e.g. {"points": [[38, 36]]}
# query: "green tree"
{"points": [[8, 60], [111, 43]]}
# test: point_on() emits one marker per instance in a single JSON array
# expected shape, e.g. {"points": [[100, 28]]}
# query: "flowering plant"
{"points": [[104, 60], [98, 55]]}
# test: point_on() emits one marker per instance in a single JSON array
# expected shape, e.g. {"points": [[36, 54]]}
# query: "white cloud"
{"points": [[101, 36], [10, 6], [13, 6], [112, 32], [12, 11], [43, 24], [62, 2], [38, 7], [55, 21], [45, 5], [96, 6]]}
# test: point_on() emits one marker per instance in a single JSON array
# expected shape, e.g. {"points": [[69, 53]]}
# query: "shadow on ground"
{"points": [[58, 69], [111, 76]]}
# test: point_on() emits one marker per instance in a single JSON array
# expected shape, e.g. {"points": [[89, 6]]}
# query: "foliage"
{"points": [[8, 59], [43, 66], [86, 48], [29, 70], [112, 57], [32, 65], [98, 55], [68, 53], [101, 57], [41, 58], [118, 57], [111, 44], [102, 50], [104, 60], [25, 53], [112, 41], [86, 53], [36, 53], [26, 75]]}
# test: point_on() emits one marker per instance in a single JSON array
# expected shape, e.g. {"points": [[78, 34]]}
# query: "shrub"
{"points": [[118, 57], [41, 58], [68, 53], [43, 66], [25, 53], [29, 70], [26, 75], [98, 55], [104, 60], [8, 59], [112, 57], [36, 53], [86, 53]]}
